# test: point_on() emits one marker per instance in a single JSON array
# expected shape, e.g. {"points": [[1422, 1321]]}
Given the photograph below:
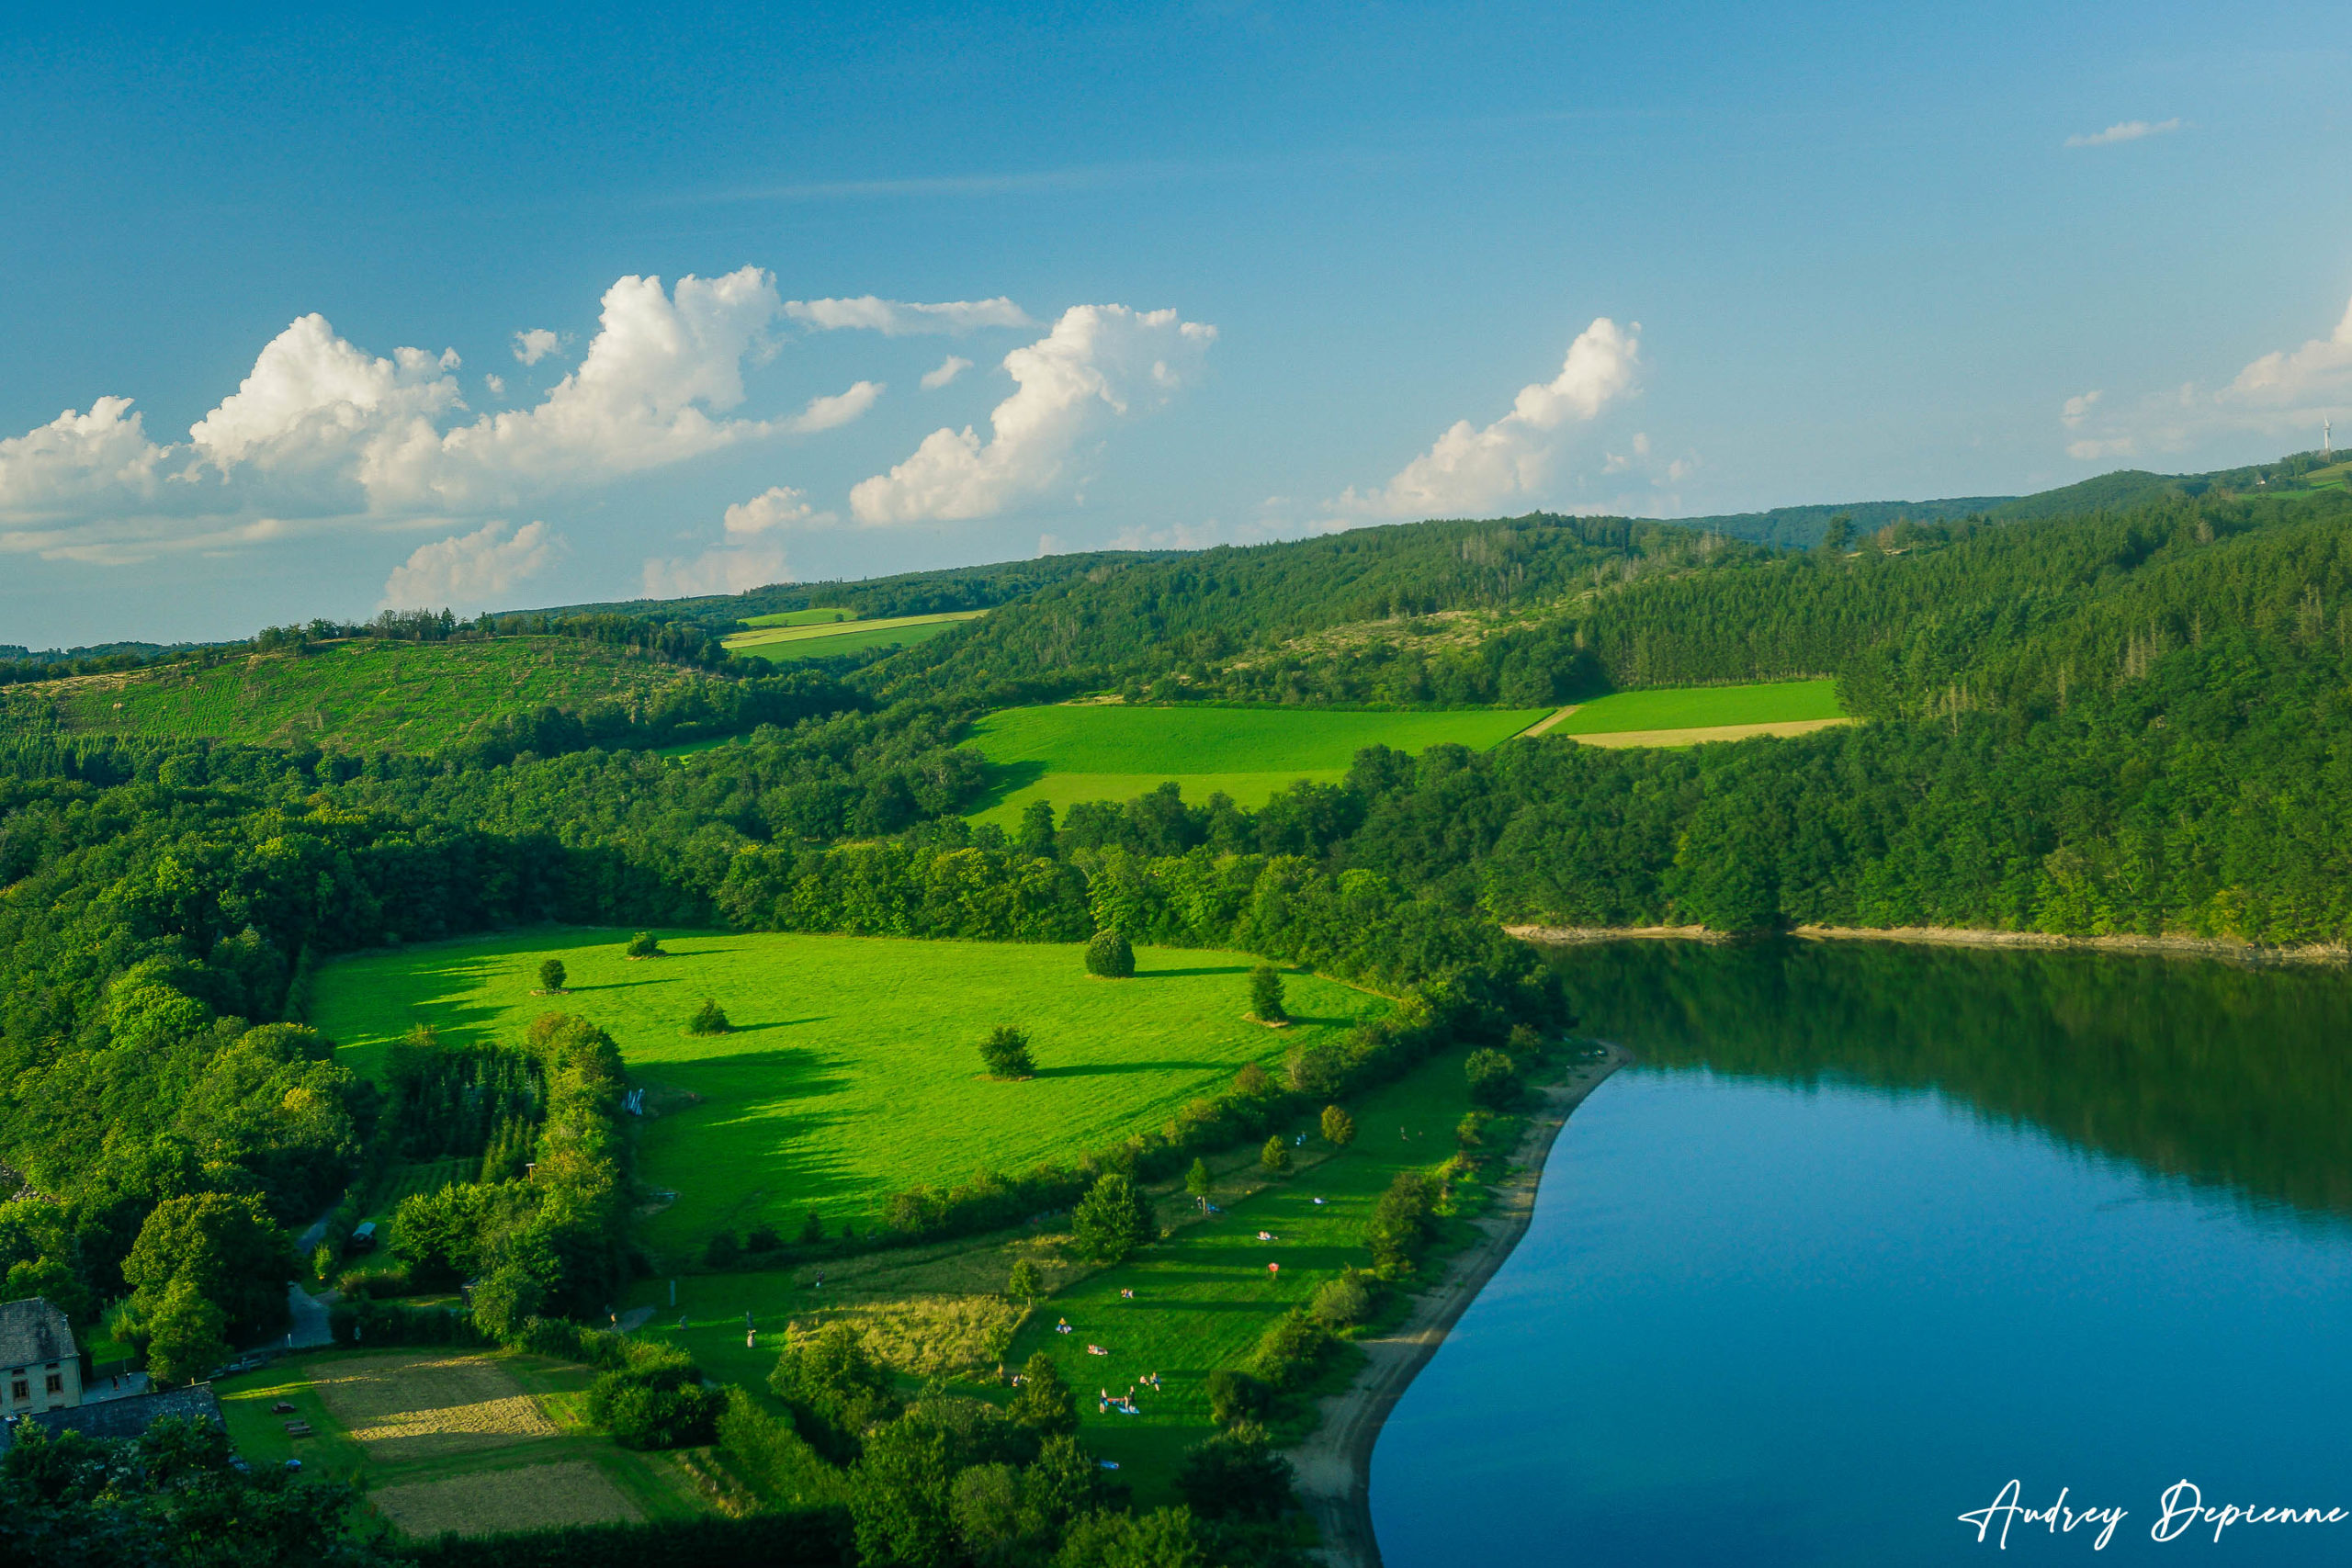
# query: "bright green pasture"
{"points": [[853, 1069], [1696, 707], [1113, 751], [807, 641], [802, 617], [361, 696]]}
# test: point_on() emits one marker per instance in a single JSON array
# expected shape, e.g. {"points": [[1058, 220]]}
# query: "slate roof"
{"points": [[126, 1417], [33, 1332]]}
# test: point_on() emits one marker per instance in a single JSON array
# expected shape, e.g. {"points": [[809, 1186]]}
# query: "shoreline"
{"points": [[1333, 1466], [1960, 936]]}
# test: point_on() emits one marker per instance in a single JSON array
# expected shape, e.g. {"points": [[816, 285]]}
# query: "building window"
{"points": [[21, 1389], [57, 1382]]}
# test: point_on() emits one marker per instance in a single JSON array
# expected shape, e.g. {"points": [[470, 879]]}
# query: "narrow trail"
{"points": [[1334, 1465]]}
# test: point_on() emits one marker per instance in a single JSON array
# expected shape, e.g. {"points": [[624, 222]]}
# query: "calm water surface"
{"points": [[1872, 1232]]}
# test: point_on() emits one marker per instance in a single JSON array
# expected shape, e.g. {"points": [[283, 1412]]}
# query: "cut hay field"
{"points": [[853, 1069], [472, 1442], [1114, 751], [801, 618], [366, 694], [824, 632], [1703, 707]]}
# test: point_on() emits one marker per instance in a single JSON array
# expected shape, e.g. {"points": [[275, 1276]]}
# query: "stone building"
{"points": [[40, 1368]]}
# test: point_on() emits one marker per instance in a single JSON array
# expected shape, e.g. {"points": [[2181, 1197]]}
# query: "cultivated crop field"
{"points": [[853, 1069], [366, 694], [819, 634], [1113, 751]]}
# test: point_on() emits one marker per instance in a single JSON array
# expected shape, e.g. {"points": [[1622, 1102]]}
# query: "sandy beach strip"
{"points": [[1334, 1465]]}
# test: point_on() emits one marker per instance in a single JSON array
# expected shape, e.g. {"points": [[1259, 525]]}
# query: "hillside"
{"points": [[354, 696]]}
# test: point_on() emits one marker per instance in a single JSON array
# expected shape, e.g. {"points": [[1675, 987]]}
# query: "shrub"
{"points": [[722, 1251], [643, 945], [1290, 1352], [1470, 1132], [709, 1019], [1113, 1220], [1044, 1404], [1024, 1285], [1198, 1183], [1402, 1222], [656, 1404], [761, 1239], [1344, 1299], [834, 1389], [552, 976], [1110, 956], [1274, 1158], [506, 1299], [1339, 1127], [1234, 1396], [1494, 1079], [1006, 1053], [813, 1229], [1266, 995], [1252, 1081], [1234, 1475]]}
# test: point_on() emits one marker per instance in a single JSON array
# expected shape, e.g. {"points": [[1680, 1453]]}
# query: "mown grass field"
{"points": [[362, 695], [1113, 751], [775, 638], [1201, 1298], [853, 1070], [801, 618], [1698, 707], [475, 1441]]}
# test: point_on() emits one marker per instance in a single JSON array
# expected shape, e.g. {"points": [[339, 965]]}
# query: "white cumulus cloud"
{"points": [[949, 368], [532, 347], [752, 556], [2282, 395], [470, 570], [1098, 361], [831, 413], [898, 318], [2078, 409], [1469, 470], [313, 400], [780, 506], [77, 456], [2126, 130]]}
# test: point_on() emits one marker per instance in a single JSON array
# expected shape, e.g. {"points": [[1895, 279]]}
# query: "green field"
{"points": [[1113, 751], [363, 695], [819, 634], [802, 617], [853, 1068], [1696, 707]]}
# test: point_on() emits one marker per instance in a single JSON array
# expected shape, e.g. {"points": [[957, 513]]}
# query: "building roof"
{"points": [[32, 1331], [126, 1417]]}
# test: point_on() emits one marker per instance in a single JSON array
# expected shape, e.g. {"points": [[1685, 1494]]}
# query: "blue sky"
{"points": [[1220, 272]]}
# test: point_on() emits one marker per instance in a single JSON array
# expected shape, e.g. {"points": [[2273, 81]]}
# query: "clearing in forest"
{"points": [[1114, 751], [852, 1070], [1684, 716], [823, 632], [366, 694]]}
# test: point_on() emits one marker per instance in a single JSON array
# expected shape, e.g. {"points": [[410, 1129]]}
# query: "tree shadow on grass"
{"points": [[1000, 780], [778, 1024], [1204, 969]]}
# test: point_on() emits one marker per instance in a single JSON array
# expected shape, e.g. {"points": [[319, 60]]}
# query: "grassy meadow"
{"points": [[1113, 751], [474, 1441], [362, 695], [823, 632], [853, 1069], [1700, 707]]}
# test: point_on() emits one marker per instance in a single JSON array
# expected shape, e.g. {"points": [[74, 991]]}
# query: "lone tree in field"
{"points": [[1110, 956], [1274, 1158], [1006, 1052], [1197, 1181], [1339, 1127], [1024, 1285], [708, 1018], [643, 945], [812, 1230], [1494, 1079], [1113, 1220], [552, 976], [1266, 995]]}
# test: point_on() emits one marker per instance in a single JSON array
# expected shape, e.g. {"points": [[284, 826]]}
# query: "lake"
{"points": [[1872, 1231]]}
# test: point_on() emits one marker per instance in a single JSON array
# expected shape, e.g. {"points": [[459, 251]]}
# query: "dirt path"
{"points": [[1334, 1465]]}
